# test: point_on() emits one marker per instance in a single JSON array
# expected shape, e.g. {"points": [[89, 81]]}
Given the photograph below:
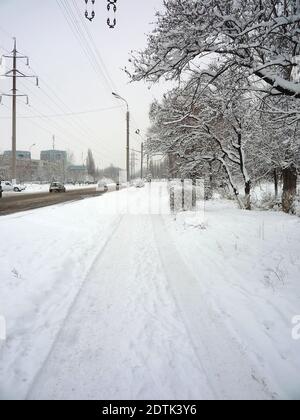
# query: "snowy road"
{"points": [[135, 317], [18, 202]]}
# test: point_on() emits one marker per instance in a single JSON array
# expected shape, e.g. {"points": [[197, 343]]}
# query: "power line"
{"points": [[106, 73], [79, 34], [86, 41], [50, 89], [76, 125], [91, 111], [63, 129], [57, 127], [51, 128], [89, 49], [85, 132]]}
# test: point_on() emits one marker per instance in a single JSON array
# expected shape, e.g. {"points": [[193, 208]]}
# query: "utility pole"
{"points": [[127, 143], [127, 135], [14, 73], [138, 132], [133, 164], [142, 160], [14, 113]]}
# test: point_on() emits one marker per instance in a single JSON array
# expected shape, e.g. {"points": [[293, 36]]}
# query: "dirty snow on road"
{"points": [[115, 298], [44, 188]]}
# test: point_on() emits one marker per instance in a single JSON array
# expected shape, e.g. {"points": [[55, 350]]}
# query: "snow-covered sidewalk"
{"points": [[107, 298]]}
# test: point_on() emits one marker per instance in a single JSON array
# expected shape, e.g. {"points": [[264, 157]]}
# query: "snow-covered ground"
{"points": [[113, 297]]}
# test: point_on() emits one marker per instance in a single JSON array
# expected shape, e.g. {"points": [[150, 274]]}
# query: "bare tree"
{"points": [[90, 163]]}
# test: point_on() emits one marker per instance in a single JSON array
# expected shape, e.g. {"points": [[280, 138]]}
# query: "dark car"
{"points": [[57, 187]]}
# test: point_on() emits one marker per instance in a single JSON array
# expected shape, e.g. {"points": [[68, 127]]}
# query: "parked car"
{"points": [[9, 186], [57, 187], [105, 185], [139, 183], [102, 186], [19, 187]]}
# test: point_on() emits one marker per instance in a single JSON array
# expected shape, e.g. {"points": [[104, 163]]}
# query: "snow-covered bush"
{"points": [[226, 194], [268, 202], [296, 206]]}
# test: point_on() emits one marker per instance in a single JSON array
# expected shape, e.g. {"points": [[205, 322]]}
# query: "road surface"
{"points": [[17, 202]]}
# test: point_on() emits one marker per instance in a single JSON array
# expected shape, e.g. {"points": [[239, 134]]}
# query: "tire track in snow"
{"points": [[123, 338], [151, 310], [230, 373], [101, 251]]}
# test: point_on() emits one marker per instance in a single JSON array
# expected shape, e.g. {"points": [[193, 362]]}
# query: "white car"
{"points": [[8, 186], [139, 183], [106, 185]]}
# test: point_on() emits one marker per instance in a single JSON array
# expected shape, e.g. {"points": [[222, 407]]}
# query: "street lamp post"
{"points": [[127, 134], [138, 132], [34, 144]]}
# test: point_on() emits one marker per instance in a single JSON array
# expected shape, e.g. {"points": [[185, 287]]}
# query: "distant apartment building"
{"points": [[21, 155], [77, 173], [44, 171], [54, 156], [23, 166], [52, 166], [29, 170]]}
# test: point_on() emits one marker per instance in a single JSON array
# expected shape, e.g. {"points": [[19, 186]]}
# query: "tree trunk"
{"points": [[289, 176], [275, 182], [194, 194], [209, 187], [248, 195]]}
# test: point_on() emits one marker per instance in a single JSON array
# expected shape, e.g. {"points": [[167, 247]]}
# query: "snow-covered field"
{"points": [[113, 297]]}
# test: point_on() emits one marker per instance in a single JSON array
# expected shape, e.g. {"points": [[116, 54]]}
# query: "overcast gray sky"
{"points": [[67, 75]]}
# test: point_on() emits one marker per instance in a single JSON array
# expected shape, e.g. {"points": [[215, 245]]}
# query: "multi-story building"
{"points": [[77, 173], [21, 155], [23, 166], [29, 170], [52, 166], [54, 156]]}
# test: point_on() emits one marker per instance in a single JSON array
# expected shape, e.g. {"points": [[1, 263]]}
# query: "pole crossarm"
{"points": [[14, 95], [23, 57], [18, 73]]}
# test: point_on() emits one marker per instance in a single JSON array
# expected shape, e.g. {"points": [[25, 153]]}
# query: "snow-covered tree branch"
{"points": [[262, 37]]}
